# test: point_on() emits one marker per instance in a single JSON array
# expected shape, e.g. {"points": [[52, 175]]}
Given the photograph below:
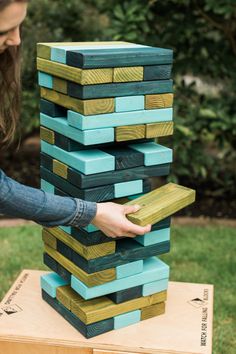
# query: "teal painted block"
{"points": [[58, 54], [155, 287], [128, 188], [132, 197], [45, 80], [127, 319], [49, 283], [126, 270], [47, 187], [129, 103], [117, 119], [90, 228], [86, 161], [154, 237], [87, 137], [154, 154], [153, 269]]}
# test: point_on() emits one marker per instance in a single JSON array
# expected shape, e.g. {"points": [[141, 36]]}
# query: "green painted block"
{"points": [[128, 188], [155, 287], [117, 119], [154, 237], [86, 161], [129, 103], [154, 153], [87, 137], [47, 187], [127, 319], [126, 270], [45, 80]]}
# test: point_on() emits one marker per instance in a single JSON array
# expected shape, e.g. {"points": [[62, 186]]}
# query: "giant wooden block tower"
{"points": [[102, 106]]}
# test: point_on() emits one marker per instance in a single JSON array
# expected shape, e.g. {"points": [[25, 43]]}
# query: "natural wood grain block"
{"points": [[102, 308], [60, 169], [65, 295], [47, 135], [156, 130], [86, 107], [128, 74], [88, 252], [164, 100], [89, 279], [49, 239], [129, 132], [59, 85], [80, 76], [157, 72], [119, 89], [152, 311], [160, 203]]}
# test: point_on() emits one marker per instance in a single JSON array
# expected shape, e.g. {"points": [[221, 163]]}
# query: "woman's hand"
{"points": [[111, 220]]}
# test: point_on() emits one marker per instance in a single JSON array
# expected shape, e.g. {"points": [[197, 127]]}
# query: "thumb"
{"points": [[128, 209]]}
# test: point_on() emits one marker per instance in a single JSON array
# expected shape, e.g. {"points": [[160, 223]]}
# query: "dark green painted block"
{"points": [[52, 109], [46, 161], [50, 262], [65, 250], [89, 238], [119, 89], [119, 57], [126, 295], [87, 331], [125, 157], [157, 72], [66, 143]]}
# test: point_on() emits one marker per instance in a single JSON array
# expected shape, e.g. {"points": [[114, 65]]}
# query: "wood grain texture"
{"points": [[60, 168], [119, 89], [90, 280], [59, 85], [49, 239], [152, 311], [157, 72], [86, 107], [88, 252], [47, 135], [126, 295], [157, 101], [129, 132], [160, 203], [80, 76], [155, 130], [125, 157], [128, 74]]}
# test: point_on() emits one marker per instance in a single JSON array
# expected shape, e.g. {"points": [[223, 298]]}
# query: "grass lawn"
{"points": [[198, 254]]}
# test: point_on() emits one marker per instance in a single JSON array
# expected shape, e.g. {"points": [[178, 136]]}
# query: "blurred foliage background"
{"points": [[203, 37]]}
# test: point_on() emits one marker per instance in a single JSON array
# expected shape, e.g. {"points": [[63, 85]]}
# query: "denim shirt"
{"points": [[20, 201]]}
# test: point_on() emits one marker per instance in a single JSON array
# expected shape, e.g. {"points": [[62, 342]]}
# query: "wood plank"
{"points": [[124, 189], [129, 103], [91, 280], [160, 203], [119, 57], [59, 85], [127, 319], [83, 122], [154, 269], [67, 144], [153, 153], [52, 109], [47, 187], [152, 311], [47, 135], [157, 101], [155, 287], [125, 157], [83, 77], [88, 252], [130, 132], [127, 74], [86, 107], [49, 239], [60, 169], [85, 237], [126, 295], [50, 282], [156, 130], [152, 237], [157, 72], [118, 89]]}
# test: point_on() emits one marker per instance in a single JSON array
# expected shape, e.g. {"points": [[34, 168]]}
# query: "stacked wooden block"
{"points": [[101, 106]]}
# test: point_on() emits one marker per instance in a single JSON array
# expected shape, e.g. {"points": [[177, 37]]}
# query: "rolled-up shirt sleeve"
{"points": [[18, 200]]}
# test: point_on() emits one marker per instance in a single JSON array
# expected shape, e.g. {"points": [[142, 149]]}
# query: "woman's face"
{"points": [[10, 19]]}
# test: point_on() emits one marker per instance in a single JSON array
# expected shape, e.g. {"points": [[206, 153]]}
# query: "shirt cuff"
{"points": [[85, 213]]}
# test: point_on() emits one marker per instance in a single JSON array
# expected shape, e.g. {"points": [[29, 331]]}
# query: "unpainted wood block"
{"points": [[126, 74], [47, 135], [154, 269], [128, 188], [156, 101], [59, 85], [153, 310], [65, 294], [157, 72], [49, 239], [85, 107], [60, 169], [129, 103], [156, 130], [129, 132], [88, 252], [90, 280], [160, 203], [80, 76]]}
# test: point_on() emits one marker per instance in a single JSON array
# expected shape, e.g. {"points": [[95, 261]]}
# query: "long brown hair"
{"points": [[10, 88]]}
